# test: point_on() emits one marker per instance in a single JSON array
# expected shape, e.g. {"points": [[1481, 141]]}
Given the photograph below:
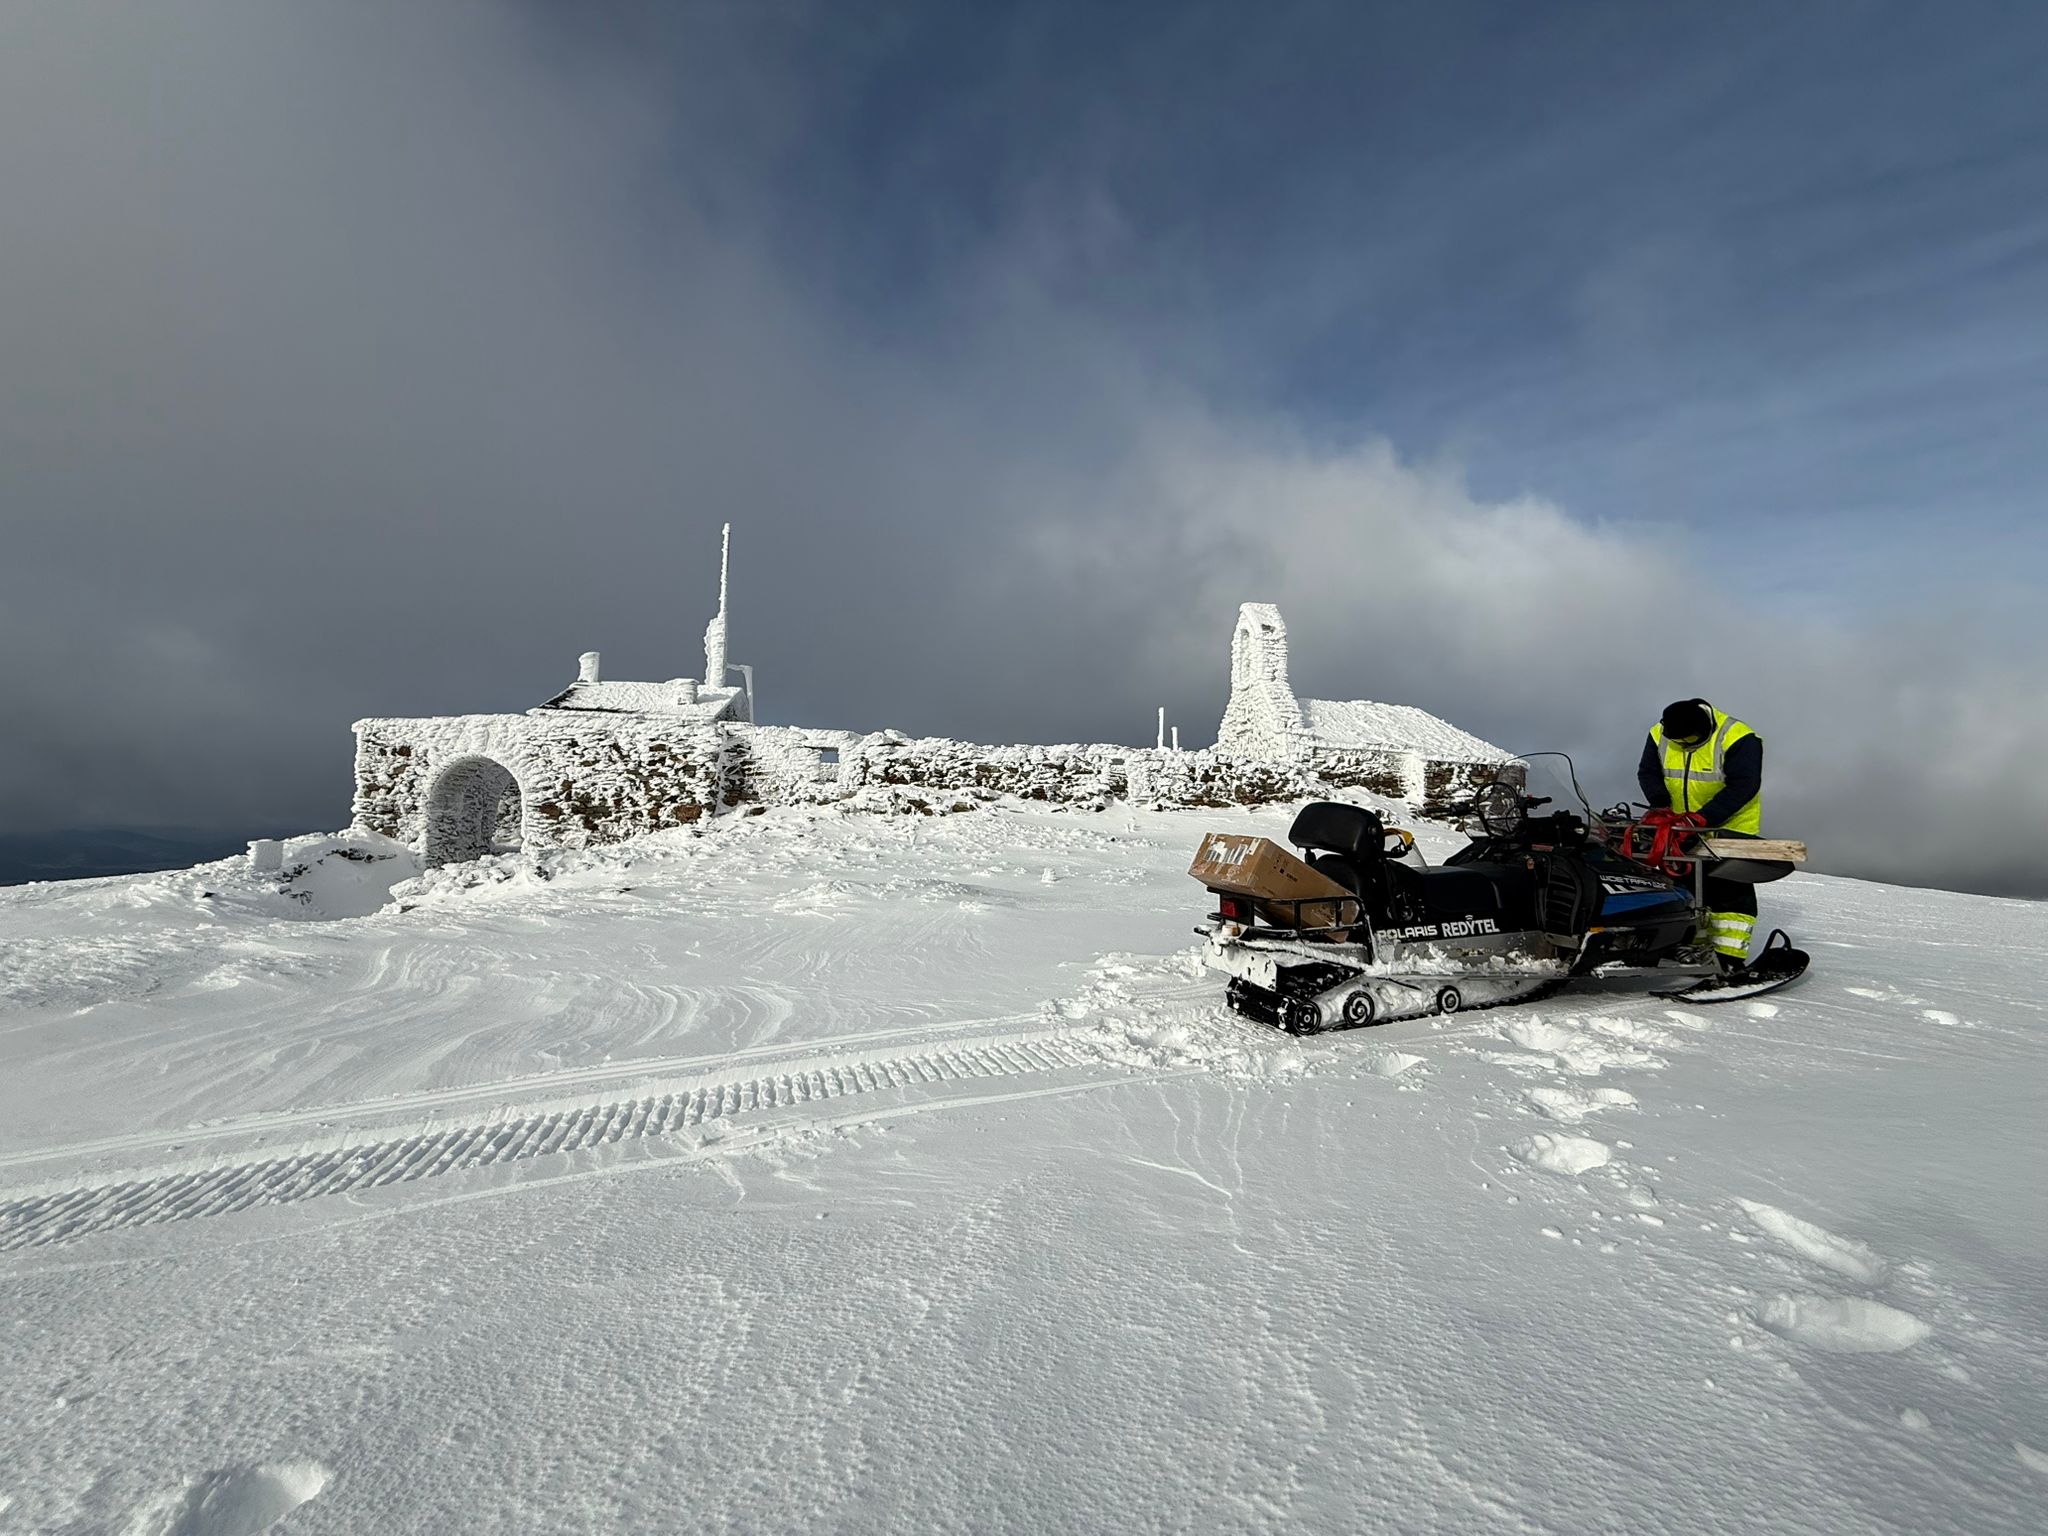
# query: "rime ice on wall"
{"points": [[1392, 749], [577, 781], [1262, 719], [929, 771], [446, 785], [603, 761]]}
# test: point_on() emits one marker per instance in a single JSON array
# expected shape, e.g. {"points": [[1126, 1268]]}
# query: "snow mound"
{"points": [[1567, 1155], [1603, 1045], [1844, 1255], [347, 875], [235, 1501], [1843, 1325], [1572, 1105]]}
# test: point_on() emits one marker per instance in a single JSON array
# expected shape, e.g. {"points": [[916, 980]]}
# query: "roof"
{"points": [[645, 699], [1393, 728]]}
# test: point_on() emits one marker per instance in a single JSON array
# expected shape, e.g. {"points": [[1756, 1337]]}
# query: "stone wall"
{"points": [[590, 778], [1426, 783], [580, 780]]}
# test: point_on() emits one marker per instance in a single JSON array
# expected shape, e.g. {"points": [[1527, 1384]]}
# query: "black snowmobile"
{"points": [[1527, 906]]}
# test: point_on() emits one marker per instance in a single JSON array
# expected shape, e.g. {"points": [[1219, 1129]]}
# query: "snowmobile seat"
{"points": [[1331, 826], [1339, 869]]}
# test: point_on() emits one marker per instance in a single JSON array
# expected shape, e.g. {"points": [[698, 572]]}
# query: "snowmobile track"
{"points": [[1543, 993], [145, 1199]]}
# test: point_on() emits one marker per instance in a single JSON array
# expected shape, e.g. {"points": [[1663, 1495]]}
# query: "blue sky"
{"points": [[1543, 363], [1772, 278]]}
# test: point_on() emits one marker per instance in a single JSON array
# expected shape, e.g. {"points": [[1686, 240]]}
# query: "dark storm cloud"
{"points": [[362, 360]]}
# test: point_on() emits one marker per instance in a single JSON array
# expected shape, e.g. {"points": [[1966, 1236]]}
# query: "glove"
{"points": [[1664, 816]]}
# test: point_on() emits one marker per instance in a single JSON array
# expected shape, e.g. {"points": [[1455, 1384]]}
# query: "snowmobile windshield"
{"points": [[1552, 778]]}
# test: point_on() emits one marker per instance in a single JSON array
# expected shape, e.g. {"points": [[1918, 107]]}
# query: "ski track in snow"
{"points": [[147, 1199]]}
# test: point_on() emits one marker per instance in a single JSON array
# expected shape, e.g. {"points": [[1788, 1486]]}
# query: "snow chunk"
{"points": [[235, 1501], [1568, 1155], [1843, 1325], [1844, 1255], [1571, 1105]]}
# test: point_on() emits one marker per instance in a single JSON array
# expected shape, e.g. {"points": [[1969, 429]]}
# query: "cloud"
{"points": [[376, 360], [1900, 748]]}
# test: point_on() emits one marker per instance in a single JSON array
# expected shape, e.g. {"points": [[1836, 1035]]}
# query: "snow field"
{"points": [[1068, 1248]]}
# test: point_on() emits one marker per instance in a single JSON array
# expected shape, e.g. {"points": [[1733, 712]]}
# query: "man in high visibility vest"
{"points": [[1703, 768]]}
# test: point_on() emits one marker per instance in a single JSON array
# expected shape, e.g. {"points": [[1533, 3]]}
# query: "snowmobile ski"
{"points": [[1777, 965]]}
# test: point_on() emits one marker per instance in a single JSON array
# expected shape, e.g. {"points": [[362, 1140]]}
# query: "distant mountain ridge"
{"points": [[81, 853]]}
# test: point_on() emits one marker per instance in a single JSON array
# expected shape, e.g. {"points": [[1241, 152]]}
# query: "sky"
{"points": [[1544, 364]]}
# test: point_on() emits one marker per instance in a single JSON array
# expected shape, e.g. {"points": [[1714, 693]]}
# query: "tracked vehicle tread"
{"points": [[1266, 1007]]}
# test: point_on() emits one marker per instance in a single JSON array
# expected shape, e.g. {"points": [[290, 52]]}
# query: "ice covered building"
{"points": [[604, 760], [1392, 749], [598, 762]]}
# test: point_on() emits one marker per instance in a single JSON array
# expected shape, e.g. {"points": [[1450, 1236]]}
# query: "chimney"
{"points": [[586, 667]]}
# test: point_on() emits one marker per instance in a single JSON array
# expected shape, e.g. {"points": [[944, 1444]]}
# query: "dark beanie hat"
{"points": [[1688, 719]]}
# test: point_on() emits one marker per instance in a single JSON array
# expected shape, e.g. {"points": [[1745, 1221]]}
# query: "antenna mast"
{"points": [[714, 632]]}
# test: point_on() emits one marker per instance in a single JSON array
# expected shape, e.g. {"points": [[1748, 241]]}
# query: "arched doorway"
{"points": [[474, 809]]}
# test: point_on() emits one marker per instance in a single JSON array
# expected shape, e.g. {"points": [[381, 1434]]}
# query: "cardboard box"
{"points": [[1261, 869]]}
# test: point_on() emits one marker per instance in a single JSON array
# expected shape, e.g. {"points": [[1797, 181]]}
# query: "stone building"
{"points": [[1395, 750], [603, 760]]}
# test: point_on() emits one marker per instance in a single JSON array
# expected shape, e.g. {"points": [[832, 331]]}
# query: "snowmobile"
{"points": [[1354, 933]]}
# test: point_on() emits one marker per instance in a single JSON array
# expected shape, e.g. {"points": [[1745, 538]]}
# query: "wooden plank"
{"points": [[1778, 849]]}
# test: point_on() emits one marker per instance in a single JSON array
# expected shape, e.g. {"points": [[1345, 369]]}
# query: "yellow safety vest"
{"points": [[1693, 775]]}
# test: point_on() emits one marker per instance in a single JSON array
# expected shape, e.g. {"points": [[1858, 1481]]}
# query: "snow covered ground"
{"points": [[844, 1173]]}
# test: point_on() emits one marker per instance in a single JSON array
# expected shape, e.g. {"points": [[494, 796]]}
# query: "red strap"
{"points": [[1667, 845]]}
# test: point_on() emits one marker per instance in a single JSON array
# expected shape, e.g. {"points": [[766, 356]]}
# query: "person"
{"points": [[1703, 768]]}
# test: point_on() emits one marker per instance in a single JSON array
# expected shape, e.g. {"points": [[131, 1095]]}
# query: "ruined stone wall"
{"points": [[1392, 774], [582, 779], [1087, 775], [787, 765], [1445, 783], [1063, 775], [1429, 784], [588, 778]]}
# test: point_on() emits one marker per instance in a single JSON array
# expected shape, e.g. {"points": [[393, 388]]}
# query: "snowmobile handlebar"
{"points": [[1489, 803]]}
